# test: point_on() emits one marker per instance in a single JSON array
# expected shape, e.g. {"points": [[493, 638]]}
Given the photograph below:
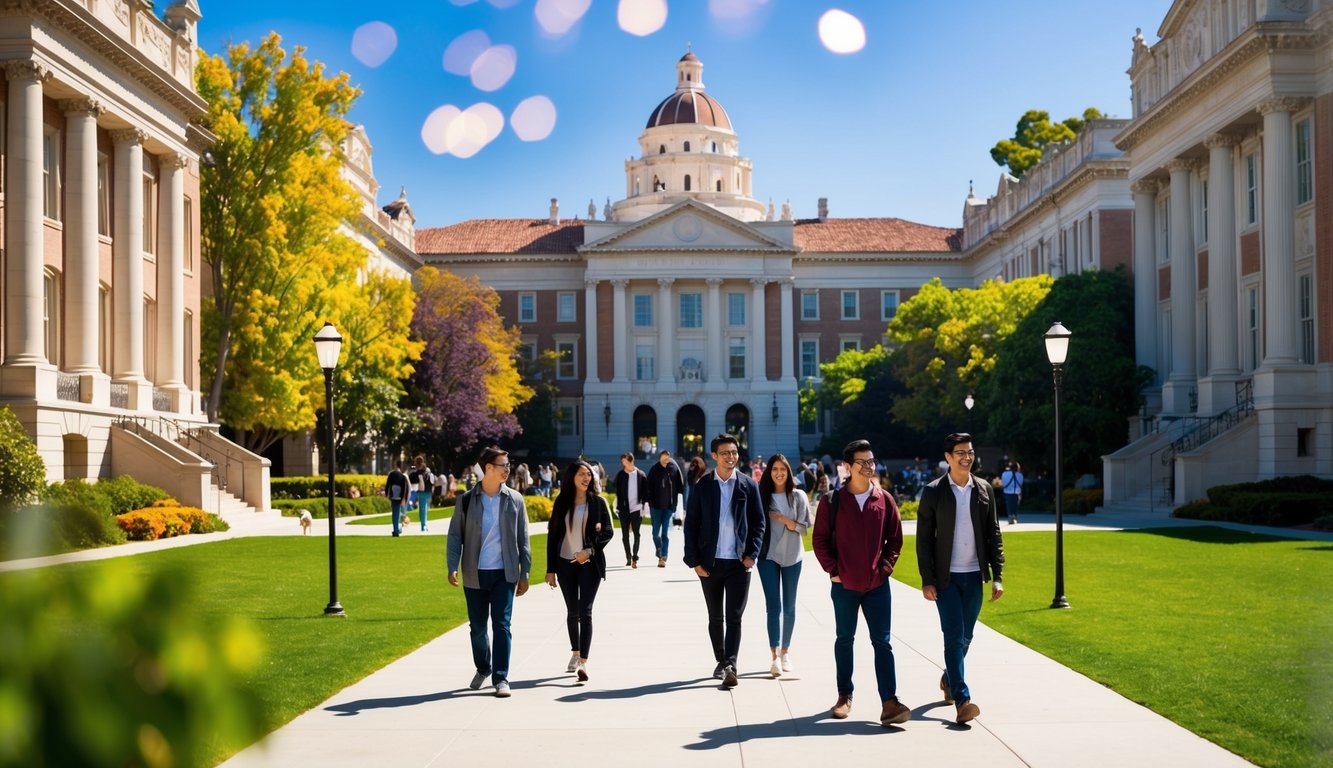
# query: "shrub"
{"points": [[78, 492], [1324, 523], [1081, 501], [908, 508], [127, 494], [22, 472], [1199, 509], [1279, 509], [319, 506], [1223, 495], [316, 486], [165, 521], [82, 526], [539, 508]]}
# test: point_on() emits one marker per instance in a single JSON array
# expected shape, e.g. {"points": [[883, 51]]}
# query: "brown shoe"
{"points": [[661, 562], [967, 711], [843, 708], [894, 713], [944, 689]]}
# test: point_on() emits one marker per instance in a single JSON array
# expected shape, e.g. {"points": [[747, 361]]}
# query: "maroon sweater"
{"points": [[863, 540]]}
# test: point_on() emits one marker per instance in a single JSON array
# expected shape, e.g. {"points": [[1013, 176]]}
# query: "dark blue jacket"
{"points": [[701, 519]]}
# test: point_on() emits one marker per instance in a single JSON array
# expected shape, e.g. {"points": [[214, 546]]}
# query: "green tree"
{"points": [[1101, 384], [948, 342], [1033, 133], [537, 417], [22, 471], [858, 389]]}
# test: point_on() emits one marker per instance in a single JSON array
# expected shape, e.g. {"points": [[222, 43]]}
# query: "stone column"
{"points": [[171, 280], [1217, 391], [788, 328], [666, 356], [81, 253], [1145, 276], [714, 325], [1281, 337], [618, 329], [24, 294], [759, 372], [590, 376], [127, 270], [1184, 292]]}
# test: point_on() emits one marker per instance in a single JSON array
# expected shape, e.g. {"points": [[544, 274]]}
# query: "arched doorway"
{"points": [[645, 432], [690, 432], [738, 424]]}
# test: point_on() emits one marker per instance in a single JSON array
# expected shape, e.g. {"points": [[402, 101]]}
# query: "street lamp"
{"points": [[775, 408], [1057, 349], [606, 414], [328, 346], [969, 402]]}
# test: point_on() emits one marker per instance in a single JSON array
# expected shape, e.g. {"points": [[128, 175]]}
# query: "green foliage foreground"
{"points": [[1226, 633]]}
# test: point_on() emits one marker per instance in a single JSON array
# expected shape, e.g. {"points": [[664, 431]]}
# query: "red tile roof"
{"points": [[501, 236], [879, 235]]}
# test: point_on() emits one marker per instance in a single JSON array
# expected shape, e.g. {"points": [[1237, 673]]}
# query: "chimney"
{"points": [[555, 211], [823, 209]]}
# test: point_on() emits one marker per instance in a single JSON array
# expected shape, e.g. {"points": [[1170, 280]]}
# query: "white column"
{"points": [[127, 258], [24, 331], [618, 321], [716, 324], [1279, 265], [590, 375], [171, 278], [1184, 291], [760, 371], [81, 254], [788, 328], [1223, 323], [1145, 275], [666, 353]]}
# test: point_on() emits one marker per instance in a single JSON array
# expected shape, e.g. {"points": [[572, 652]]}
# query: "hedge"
{"points": [[166, 519], [1222, 495], [342, 507], [1280, 502], [1081, 501]]}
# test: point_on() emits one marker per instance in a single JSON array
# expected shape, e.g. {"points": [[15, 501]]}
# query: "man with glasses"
{"points": [[958, 546], [724, 529], [857, 539], [488, 533]]}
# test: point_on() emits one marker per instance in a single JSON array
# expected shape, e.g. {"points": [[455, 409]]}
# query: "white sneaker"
{"points": [[502, 689], [573, 664], [786, 663], [776, 669]]}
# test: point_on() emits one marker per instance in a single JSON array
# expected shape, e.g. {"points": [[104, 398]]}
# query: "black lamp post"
{"points": [[1057, 349], [328, 347], [775, 408], [606, 414], [968, 402]]}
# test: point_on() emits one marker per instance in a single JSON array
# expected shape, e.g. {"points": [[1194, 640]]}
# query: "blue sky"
{"points": [[897, 128]]}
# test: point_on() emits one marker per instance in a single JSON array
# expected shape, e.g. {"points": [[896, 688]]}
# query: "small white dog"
{"points": [[305, 521]]}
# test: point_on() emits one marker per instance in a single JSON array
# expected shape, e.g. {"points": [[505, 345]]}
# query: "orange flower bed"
{"points": [[163, 520]]}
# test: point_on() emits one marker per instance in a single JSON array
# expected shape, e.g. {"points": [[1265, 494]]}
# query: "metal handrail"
{"points": [[1205, 430], [220, 464]]}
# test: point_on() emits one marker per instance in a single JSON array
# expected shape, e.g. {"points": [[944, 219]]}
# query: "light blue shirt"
{"points": [[490, 557], [726, 522]]}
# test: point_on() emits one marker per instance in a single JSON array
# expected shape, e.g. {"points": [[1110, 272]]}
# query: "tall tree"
{"points": [[468, 381], [1033, 133], [537, 434], [858, 388]]}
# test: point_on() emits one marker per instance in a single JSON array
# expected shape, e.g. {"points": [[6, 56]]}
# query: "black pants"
{"points": [[578, 584], [726, 588], [629, 524]]}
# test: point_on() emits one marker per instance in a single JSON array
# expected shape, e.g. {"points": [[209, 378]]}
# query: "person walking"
{"points": [[1011, 481], [781, 554], [488, 544], [631, 498], [695, 470], [665, 485], [578, 531], [424, 485], [958, 546], [724, 529], [857, 539], [395, 489]]}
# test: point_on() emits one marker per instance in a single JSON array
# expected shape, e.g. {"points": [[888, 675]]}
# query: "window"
{"points": [[809, 358], [888, 303], [735, 309], [567, 419], [527, 307], [566, 366], [1252, 326], [189, 234], [719, 185], [1304, 164], [104, 196], [1251, 190], [661, 149], [643, 310], [51, 316], [736, 359], [150, 339], [149, 215], [51, 174], [810, 305], [104, 332], [565, 307], [527, 349], [849, 344], [645, 368], [190, 360], [851, 309], [1306, 293], [687, 149], [687, 182], [1203, 208], [691, 310], [715, 146]]}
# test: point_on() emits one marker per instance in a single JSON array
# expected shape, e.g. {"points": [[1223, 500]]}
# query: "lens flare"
{"points": [[463, 52], [436, 126], [494, 67], [641, 17], [533, 119], [556, 17], [841, 32], [373, 43]]}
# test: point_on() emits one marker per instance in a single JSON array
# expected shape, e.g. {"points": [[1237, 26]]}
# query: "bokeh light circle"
{"points": [[556, 17], [841, 32], [641, 17], [373, 43], [533, 119], [494, 67], [464, 50]]}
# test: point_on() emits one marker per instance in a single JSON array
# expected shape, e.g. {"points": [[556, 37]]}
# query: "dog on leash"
{"points": [[306, 520]]}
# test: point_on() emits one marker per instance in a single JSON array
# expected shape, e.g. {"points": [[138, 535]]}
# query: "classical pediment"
{"points": [[687, 226]]}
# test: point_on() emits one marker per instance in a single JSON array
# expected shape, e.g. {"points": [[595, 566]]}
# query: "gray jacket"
{"points": [[465, 536]]}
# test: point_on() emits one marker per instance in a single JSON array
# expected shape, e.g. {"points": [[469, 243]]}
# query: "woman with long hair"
{"points": [[579, 529], [780, 555]]}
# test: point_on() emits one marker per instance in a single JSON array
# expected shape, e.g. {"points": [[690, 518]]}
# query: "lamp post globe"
{"points": [[328, 348], [1057, 351], [968, 402]]}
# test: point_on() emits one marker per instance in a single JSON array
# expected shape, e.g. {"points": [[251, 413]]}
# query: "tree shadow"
{"points": [[1209, 534]]}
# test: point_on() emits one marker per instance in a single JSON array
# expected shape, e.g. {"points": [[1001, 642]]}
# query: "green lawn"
{"points": [[1226, 633], [434, 513]]}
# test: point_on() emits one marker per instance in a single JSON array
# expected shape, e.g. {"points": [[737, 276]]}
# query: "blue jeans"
{"points": [[661, 527], [397, 507], [423, 507], [779, 584], [877, 605], [492, 601], [1011, 505], [959, 605]]}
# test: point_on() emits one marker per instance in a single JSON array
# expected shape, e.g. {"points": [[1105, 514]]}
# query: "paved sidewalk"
{"points": [[651, 700]]}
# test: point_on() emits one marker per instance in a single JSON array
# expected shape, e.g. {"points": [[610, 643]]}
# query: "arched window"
{"points": [[661, 149], [690, 432], [719, 185], [687, 182], [715, 146], [738, 426], [645, 432], [687, 146]]}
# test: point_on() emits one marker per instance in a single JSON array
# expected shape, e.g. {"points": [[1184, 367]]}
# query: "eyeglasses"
{"points": [[964, 454], [728, 453], [864, 463], [501, 467]]}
